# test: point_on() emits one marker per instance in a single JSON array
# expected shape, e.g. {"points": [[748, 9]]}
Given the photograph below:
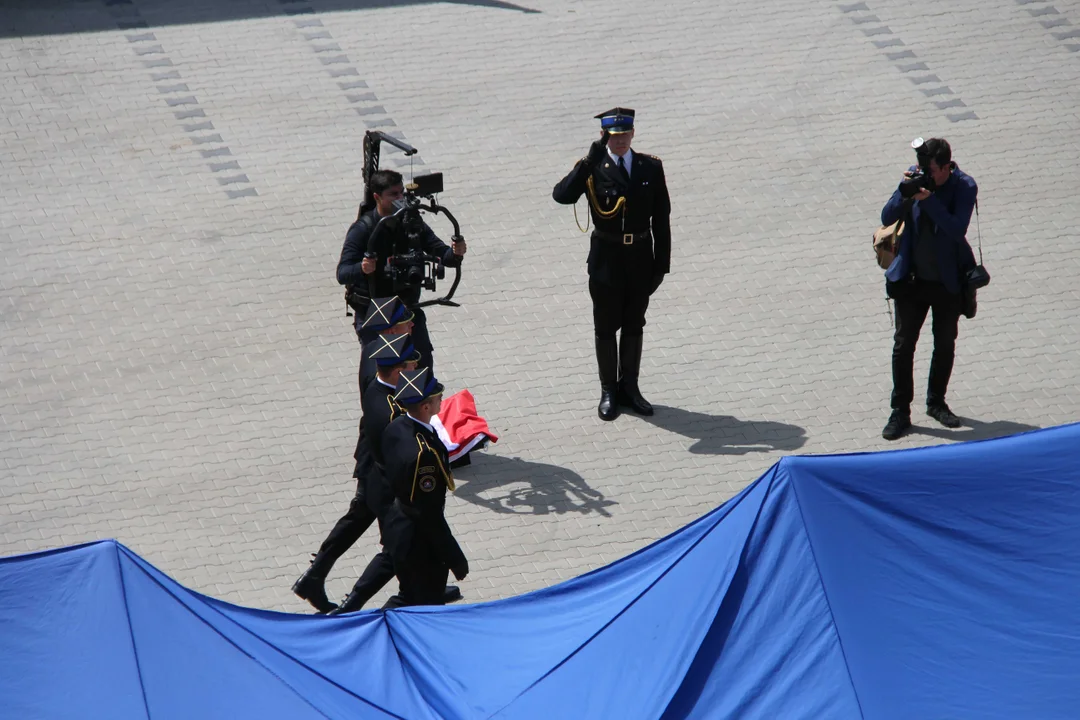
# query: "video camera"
{"points": [[921, 179], [408, 266]]}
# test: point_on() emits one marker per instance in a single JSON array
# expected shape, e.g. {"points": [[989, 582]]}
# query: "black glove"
{"points": [[657, 278], [461, 570], [597, 151]]}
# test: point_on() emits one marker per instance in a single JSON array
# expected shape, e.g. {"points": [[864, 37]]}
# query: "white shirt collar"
{"points": [[628, 159], [392, 387], [421, 422]]}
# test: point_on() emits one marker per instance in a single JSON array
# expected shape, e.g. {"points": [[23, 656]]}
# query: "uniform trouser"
{"points": [[374, 578], [616, 308], [346, 531], [422, 576], [421, 340], [913, 301]]}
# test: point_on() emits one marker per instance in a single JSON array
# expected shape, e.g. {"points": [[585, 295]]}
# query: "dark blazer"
{"points": [[418, 470], [647, 207], [950, 208], [379, 411]]}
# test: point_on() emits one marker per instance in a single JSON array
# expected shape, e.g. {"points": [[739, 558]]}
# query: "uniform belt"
{"points": [[623, 238]]}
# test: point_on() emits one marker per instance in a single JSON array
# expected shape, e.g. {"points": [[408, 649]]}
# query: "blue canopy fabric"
{"points": [[930, 583]]}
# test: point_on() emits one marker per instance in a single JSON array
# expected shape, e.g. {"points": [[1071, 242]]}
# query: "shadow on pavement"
{"points": [[512, 485], [971, 429], [727, 435], [21, 18]]}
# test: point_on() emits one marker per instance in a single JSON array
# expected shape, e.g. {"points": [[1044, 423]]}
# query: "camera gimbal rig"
{"points": [[412, 267]]}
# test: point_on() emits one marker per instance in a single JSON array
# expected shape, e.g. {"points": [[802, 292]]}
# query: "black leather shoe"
{"points": [[898, 424], [607, 410], [452, 593], [943, 415], [351, 603], [629, 396], [311, 587]]}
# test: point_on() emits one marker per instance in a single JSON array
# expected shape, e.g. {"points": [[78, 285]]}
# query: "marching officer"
{"points": [[393, 356], [386, 318], [416, 533], [629, 253]]}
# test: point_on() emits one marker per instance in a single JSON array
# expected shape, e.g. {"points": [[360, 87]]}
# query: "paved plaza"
{"points": [[176, 367]]}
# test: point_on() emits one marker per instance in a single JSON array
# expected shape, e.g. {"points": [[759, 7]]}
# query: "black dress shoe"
{"points": [[607, 410], [943, 415], [353, 601], [452, 593], [898, 424], [629, 396], [311, 587]]}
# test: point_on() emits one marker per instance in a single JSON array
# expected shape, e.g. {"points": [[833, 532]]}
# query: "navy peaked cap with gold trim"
{"points": [[617, 120], [390, 350], [383, 314], [416, 386]]}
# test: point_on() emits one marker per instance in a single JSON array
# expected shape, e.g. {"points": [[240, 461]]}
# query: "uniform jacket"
{"points": [[418, 471], [647, 206], [950, 208], [379, 411]]}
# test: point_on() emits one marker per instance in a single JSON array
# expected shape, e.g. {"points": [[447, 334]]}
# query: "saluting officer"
{"points": [[386, 318], [629, 253], [416, 533]]}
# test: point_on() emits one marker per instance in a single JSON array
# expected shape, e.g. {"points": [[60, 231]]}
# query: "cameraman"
{"points": [[368, 277], [926, 276]]}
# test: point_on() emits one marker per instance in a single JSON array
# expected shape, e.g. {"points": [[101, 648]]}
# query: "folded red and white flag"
{"points": [[460, 427]]}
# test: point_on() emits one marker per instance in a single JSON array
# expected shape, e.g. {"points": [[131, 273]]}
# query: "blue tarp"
{"points": [[931, 583]]}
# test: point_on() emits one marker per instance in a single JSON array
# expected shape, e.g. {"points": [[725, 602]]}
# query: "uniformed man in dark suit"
{"points": [[416, 533], [629, 254], [386, 318], [392, 354]]}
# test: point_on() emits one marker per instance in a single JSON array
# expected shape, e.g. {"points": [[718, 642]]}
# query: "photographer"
{"points": [[369, 276], [936, 200]]}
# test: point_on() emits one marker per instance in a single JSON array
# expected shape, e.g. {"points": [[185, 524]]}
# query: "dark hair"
{"points": [[383, 180], [939, 151], [389, 368]]}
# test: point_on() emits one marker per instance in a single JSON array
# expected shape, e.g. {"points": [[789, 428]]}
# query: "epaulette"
{"points": [[649, 156], [396, 410]]}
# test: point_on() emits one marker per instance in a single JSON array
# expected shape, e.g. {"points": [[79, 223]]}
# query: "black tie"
{"points": [[622, 166]]}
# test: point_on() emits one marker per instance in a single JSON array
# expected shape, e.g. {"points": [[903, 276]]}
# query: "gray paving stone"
{"points": [[176, 367]]}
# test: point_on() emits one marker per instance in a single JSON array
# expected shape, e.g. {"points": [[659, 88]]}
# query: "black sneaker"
{"points": [[943, 415], [898, 424]]}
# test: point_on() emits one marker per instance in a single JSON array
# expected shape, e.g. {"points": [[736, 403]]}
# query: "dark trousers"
{"points": [[913, 301], [421, 340], [616, 308], [374, 578], [346, 531], [422, 577]]}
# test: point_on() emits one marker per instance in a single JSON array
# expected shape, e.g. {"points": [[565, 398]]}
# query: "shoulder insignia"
{"points": [[427, 470], [427, 483]]}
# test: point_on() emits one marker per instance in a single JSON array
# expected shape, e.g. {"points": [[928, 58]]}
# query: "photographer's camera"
{"points": [[921, 179]]}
